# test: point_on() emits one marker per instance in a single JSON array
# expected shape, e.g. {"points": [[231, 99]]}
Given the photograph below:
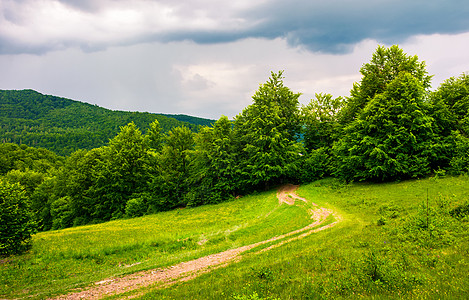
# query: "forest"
{"points": [[392, 127], [64, 126]]}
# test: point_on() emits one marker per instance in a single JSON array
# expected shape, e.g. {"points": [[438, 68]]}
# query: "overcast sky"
{"points": [[207, 57]]}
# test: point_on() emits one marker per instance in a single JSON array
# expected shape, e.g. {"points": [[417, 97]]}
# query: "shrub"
{"points": [[16, 219], [460, 212], [135, 207], [459, 164]]}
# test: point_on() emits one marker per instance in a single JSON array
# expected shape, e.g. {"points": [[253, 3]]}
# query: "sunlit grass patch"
{"points": [[357, 258], [403, 257], [75, 257]]}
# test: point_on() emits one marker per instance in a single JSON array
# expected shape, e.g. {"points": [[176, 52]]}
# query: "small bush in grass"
{"points": [[434, 226], [264, 273], [253, 296], [381, 221], [379, 272], [461, 212], [136, 207]]}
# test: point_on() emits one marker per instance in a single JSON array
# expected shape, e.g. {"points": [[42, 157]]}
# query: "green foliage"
{"points": [[100, 182], [435, 225], [391, 137], [460, 212], [450, 109], [314, 165], [16, 219], [127, 168], [23, 158], [385, 65], [61, 213], [266, 135], [453, 95], [136, 207], [29, 179], [64, 126], [320, 119], [212, 165], [459, 163], [153, 136], [171, 185]]}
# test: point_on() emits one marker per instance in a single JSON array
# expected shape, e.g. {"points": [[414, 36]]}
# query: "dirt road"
{"points": [[188, 270]]}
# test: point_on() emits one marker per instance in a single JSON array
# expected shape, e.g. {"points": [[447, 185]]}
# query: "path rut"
{"points": [[188, 270]]}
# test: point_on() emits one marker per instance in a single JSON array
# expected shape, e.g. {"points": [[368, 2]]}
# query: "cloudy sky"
{"points": [[207, 57]]}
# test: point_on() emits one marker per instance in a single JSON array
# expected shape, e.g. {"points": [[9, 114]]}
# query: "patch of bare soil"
{"points": [[188, 270], [286, 194]]}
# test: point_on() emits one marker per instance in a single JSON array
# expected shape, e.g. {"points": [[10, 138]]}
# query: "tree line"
{"points": [[64, 126], [391, 127]]}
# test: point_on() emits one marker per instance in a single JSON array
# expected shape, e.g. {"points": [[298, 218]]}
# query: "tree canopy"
{"points": [[385, 65], [266, 134], [391, 127]]}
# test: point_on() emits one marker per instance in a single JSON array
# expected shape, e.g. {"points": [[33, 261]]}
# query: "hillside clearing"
{"points": [[388, 244], [191, 269]]}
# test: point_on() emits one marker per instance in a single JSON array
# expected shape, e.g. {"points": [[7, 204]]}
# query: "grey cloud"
{"points": [[84, 5], [335, 26], [321, 26]]}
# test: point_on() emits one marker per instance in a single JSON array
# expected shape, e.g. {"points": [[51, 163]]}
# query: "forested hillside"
{"points": [[391, 128], [64, 126]]}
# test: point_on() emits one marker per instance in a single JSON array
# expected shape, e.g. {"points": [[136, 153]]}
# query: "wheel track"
{"points": [[190, 269]]}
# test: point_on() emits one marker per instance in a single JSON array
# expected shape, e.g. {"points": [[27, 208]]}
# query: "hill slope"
{"points": [[63, 125], [388, 245]]}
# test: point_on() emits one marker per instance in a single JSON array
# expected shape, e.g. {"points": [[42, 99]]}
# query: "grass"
{"points": [[66, 259], [359, 257], [382, 248]]}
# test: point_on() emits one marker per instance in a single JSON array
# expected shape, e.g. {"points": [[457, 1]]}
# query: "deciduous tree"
{"points": [[391, 138], [385, 65], [266, 133], [16, 219]]}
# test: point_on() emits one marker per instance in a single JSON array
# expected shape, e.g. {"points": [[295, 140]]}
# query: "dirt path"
{"points": [[286, 194], [188, 270]]}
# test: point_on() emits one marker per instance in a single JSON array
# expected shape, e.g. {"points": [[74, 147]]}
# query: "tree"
{"points": [[452, 101], [83, 179], [320, 129], [16, 219], [95, 186], [153, 136], [170, 186], [211, 179], [391, 138], [122, 172], [385, 65], [266, 133], [450, 109], [320, 118]]}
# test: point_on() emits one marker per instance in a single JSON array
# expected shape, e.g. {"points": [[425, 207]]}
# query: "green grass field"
{"points": [[388, 244], [381, 249], [71, 258]]}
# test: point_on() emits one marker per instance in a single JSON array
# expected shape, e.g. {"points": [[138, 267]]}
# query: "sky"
{"points": [[207, 58]]}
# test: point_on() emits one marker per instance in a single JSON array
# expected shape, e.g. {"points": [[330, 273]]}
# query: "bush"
{"points": [[459, 164], [61, 213], [16, 219], [315, 165], [136, 207], [460, 212]]}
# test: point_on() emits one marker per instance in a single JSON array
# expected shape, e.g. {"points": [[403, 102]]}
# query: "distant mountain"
{"points": [[64, 125]]}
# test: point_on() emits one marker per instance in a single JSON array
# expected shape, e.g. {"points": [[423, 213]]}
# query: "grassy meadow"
{"points": [[76, 257], [381, 249], [388, 244]]}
